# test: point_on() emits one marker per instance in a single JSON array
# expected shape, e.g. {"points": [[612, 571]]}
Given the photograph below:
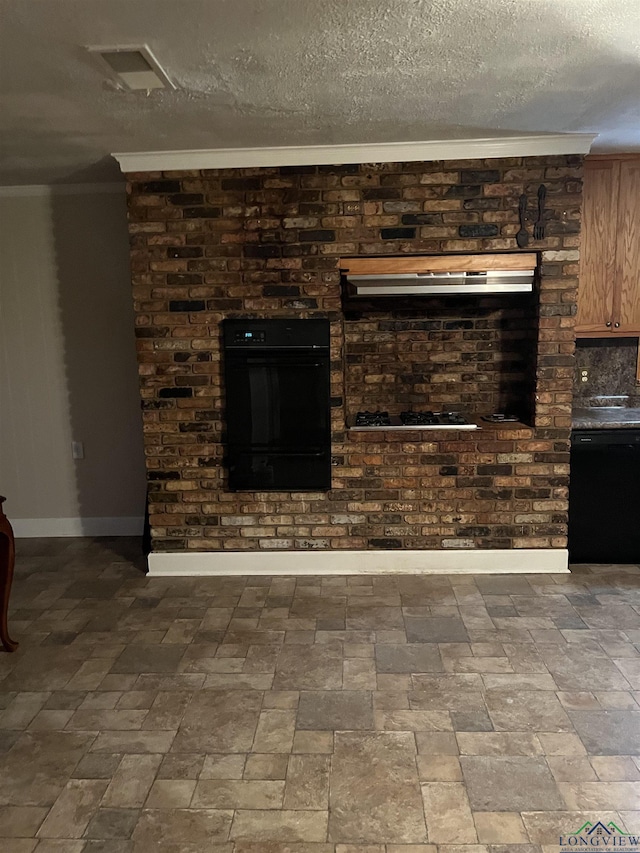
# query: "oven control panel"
{"points": [[248, 336]]}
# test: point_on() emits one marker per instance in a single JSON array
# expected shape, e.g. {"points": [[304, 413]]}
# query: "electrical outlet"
{"points": [[77, 450], [584, 375]]}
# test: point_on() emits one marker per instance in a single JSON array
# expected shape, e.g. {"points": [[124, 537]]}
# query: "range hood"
{"points": [[449, 275]]}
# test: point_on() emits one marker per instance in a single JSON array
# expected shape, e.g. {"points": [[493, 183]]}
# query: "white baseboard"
{"points": [[212, 563], [33, 528]]}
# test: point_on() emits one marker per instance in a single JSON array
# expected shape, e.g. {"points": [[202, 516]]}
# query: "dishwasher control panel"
{"points": [[600, 437]]}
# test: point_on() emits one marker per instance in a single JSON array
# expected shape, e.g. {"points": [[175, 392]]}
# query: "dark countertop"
{"points": [[606, 417]]}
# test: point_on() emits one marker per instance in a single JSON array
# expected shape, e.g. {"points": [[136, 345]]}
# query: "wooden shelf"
{"points": [[439, 263]]}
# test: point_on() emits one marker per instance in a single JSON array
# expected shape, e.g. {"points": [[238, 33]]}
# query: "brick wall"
{"points": [[266, 243]]}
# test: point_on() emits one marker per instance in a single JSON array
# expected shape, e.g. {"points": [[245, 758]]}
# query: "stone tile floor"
{"points": [[362, 714]]}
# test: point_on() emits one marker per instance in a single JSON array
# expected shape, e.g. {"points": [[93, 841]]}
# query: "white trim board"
{"points": [[380, 152], [213, 563], [33, 528]]}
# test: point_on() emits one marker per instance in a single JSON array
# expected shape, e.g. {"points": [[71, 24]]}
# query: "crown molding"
{"points": [[382, 152], [62, 189]]}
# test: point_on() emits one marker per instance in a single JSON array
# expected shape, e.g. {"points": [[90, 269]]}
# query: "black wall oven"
{"points": [[278, 426]]}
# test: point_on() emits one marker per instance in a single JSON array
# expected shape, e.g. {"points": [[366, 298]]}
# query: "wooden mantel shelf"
{"points": [[439, 263]]}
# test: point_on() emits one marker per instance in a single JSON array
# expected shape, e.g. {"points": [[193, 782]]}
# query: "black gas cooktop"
{"points": [[412, 420]]}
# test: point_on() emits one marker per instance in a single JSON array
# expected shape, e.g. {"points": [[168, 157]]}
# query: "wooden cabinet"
{"points": [[626, 308], [609, 292]]}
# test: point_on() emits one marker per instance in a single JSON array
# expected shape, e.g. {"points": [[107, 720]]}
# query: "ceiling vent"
{"points": [[133, 67]]}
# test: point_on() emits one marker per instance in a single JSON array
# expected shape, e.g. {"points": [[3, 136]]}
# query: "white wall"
{"points": [[67, 364]]}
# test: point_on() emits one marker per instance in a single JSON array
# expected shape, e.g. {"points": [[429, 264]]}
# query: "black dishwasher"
{"points": [[604, 496], [278, 425]]}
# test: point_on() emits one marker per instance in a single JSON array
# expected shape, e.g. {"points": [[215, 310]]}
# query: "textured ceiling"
{"points": [[254, 73]]}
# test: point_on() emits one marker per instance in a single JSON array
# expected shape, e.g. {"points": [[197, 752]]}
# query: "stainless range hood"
{"points": [[452, 283], [449, 275]]}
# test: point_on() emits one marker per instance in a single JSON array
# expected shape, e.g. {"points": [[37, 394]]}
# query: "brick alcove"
{"points": [[266, 242]]}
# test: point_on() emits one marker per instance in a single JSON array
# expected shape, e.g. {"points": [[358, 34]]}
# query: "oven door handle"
{"points": [[309, 349], [256, 450], [238, 364]]}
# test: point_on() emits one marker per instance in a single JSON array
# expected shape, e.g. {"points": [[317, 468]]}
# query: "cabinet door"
{"points": [[598, 253], [626, 309]]}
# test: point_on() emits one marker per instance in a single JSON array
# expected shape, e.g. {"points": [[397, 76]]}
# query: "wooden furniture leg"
{"points": [[7, 561]]}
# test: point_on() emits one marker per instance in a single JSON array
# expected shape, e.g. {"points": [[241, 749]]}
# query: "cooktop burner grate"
{"points": [[429, 418], [500, 418], [418, 418], [373, 419]]}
